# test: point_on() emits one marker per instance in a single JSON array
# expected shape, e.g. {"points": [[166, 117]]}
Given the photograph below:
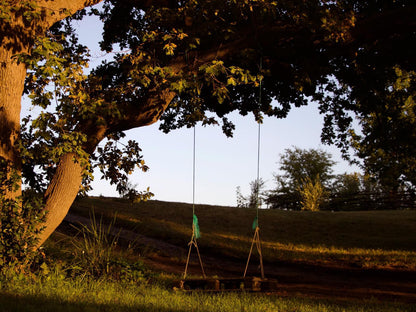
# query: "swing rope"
{"points": [[195, 225], [255, 226]]}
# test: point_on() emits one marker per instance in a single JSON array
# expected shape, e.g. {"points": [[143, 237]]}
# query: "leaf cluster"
{"points": [[20, 220], [116, 164]]}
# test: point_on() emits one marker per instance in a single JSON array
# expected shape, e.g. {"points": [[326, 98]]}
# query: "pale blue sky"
{"points": [[222, 163]]}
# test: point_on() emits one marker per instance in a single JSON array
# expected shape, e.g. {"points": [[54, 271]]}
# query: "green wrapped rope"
{"points": [[255, 223], [195, 224]]}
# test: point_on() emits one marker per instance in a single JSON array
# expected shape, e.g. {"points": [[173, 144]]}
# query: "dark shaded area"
{"points": [[16, 303], [361, 201]]}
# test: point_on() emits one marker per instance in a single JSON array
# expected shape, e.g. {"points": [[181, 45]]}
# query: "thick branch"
{"points": [[54, 11], [143, 115]]}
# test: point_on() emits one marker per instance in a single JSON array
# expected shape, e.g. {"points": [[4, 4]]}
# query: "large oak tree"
{"points": [[181, 62]]}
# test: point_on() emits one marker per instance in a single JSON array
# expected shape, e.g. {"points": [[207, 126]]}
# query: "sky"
{"points": [[222, 163]]}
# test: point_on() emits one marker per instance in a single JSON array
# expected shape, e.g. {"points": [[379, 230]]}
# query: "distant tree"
{"points": [[297, 166], [256, 197], [300, 164], [347, 183], [354, 191]]}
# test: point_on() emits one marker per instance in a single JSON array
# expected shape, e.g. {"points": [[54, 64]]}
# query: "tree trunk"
{"points": [[61, 193], [12, 76]]}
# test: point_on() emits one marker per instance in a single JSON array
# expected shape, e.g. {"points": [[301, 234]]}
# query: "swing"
{"points": [[229, 284], [195, 226], [256, 228]]}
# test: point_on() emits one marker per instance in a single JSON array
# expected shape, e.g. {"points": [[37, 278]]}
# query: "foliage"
{"points": [[20, 221], [312, 194], [355, 191], [374, 82], [387, 132]]}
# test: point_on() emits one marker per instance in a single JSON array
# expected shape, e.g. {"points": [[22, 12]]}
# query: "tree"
{"points": [[182, 62], [388, 131], [300, 167], [375, 82], [354, 191], [256, 197]]}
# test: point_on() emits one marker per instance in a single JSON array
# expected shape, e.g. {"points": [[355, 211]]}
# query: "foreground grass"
{"points": [[366, 239], [54, 292]]}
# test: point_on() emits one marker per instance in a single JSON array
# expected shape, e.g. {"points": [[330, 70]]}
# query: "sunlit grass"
{"points": [[367, 239], [54, 292]]}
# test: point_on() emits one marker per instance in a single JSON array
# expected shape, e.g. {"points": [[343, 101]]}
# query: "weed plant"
{"points": [[96, 248]]}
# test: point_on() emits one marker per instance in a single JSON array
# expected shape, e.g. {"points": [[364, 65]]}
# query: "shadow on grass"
{"points": [[28, 303]]}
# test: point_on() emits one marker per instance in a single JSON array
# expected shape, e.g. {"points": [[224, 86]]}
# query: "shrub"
{"points": [[313, 194], [20, 220]]}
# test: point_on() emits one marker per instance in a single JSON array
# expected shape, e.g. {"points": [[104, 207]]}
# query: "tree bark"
{"points": [[12, 77], [61, 193]]}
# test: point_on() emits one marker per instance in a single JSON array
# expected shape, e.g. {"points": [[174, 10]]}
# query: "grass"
{"points": [[368, 239], [53, 292]]}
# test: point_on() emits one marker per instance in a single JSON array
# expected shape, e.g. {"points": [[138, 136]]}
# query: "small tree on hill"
{"points": [[256, 197], [312, 194]]}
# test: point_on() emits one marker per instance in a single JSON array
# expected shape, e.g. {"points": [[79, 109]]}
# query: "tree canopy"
{"points": [[184, 62]]}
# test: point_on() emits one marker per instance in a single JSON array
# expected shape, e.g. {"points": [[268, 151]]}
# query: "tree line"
{"points": [[306, 182]]}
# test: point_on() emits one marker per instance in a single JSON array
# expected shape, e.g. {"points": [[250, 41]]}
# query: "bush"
{"points": [[20, 220], [313, 194]]}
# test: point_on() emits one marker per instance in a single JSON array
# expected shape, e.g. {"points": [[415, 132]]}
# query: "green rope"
{"points": [[255, 223], [195, 226]]}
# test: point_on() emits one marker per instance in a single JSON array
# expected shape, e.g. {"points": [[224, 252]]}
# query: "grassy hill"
{"points": [[86, 271], [368, 239]]}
